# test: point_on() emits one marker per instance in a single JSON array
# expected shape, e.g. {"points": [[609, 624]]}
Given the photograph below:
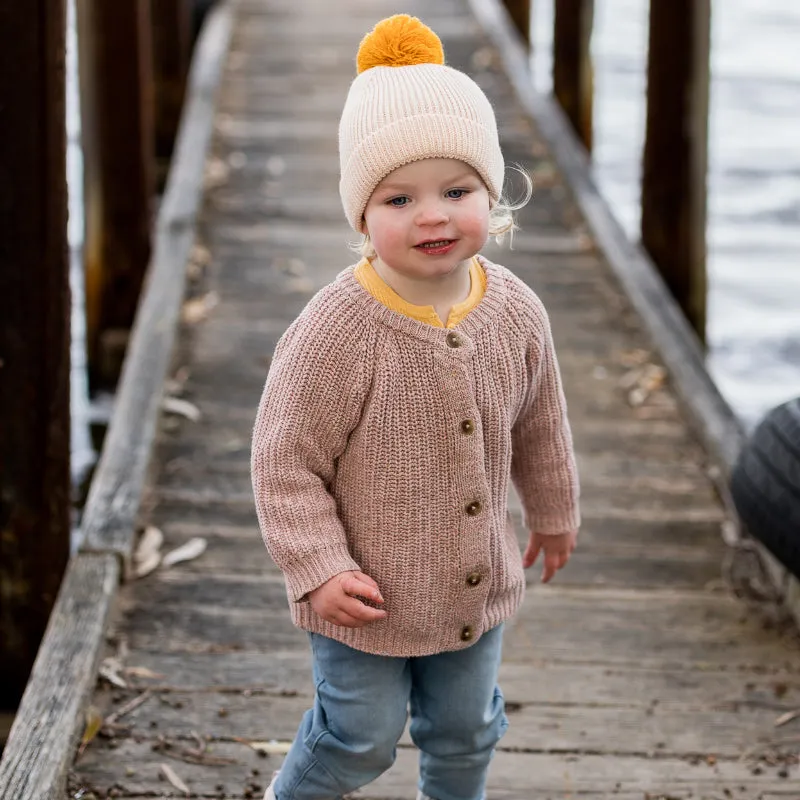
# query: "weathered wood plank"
{"points": [[536, 682], [41, 743], [727, 730], [513, 775]]}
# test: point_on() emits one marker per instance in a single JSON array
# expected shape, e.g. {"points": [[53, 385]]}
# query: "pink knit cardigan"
{"points": [[386, 445]]}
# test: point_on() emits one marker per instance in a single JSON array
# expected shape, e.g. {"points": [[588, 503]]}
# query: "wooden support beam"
{"points": [[172, 40], [115, 55], [676, 150], [573, 82], [34, 332], [520, 13]]}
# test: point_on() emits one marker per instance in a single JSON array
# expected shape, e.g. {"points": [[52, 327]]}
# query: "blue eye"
{"points": [[398, 202], [455, 194]]}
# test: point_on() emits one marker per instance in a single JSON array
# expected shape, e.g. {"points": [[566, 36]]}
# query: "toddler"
{"points": [[398, 406]]}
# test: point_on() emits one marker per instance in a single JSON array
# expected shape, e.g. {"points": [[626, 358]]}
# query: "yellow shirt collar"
{"points": [[366, 275]]}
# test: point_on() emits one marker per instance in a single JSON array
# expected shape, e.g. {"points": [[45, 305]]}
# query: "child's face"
{"points": [[427, 217]]}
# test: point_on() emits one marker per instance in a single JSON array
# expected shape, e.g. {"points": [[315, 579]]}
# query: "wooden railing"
{"points": [[673, 200]]}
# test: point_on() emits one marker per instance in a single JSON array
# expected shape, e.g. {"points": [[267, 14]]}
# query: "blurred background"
{"points": [[753, 326]]}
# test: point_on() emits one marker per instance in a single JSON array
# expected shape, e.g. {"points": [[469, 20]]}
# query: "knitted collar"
{"points": [[487, 311]]}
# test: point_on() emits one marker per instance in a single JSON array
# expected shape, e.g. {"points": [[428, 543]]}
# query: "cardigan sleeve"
{"points": [[310, 405], [543, 466]]}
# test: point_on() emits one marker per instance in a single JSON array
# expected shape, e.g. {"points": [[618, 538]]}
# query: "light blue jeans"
{"points": [[360, 708]]}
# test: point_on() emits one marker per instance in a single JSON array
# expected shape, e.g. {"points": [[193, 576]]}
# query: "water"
{"points": [[753, 181], [83, 453]]}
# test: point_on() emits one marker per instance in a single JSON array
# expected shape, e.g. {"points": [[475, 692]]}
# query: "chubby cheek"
{"points": [[386, 233], [475, 226]]}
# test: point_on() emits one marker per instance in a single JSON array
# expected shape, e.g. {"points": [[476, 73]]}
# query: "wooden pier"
{"points": [[636, 674]]}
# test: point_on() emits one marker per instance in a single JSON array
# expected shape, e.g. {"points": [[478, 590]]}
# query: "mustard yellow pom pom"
{"points": [[399, 41]]}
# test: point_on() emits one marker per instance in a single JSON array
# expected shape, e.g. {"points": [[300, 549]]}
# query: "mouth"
{"points": [[436, 247]]}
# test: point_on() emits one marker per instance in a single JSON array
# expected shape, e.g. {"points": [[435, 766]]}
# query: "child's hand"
{"points": [[557, 550], [336, 601]]}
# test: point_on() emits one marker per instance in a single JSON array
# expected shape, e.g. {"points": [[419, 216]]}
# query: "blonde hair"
{"points": [[501, 218]]}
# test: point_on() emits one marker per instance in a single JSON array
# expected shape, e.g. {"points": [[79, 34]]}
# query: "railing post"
{"points": [[115, 56], [572, 64], [172, 40], [676, 150], [520, 13], [34, 332]]}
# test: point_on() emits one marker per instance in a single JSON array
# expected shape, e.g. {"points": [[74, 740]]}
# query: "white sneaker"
{"points": [[270, 794]]}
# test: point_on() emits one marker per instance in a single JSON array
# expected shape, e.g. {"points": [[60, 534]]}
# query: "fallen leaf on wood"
{"points": [[273, 747], [94, 722], [201, 255], [150, 542], [198, 308], [192, 549], [146, 567], [142, 672], [183, 408], [787, 717], [172, 777], [110, 669]]}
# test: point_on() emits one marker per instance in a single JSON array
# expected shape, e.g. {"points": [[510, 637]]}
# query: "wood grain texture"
{"points": [[42, 740]]}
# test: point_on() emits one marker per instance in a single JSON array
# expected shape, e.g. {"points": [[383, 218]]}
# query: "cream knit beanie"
{"points": [[406, 105]]}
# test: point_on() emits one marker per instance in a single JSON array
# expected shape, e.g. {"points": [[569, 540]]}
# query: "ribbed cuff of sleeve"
{"points": [[566, 521], [314, 570]]}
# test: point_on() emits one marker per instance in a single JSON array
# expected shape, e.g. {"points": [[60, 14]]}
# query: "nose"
{"points": [[431, 212]]}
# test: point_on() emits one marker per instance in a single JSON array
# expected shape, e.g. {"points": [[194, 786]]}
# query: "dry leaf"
{"points": [[183, 408], [142, 672], [110, 669], [198, 308], [192, 549], [150, 542], [201, 255], [172, 777], [272, 747], [146, 567], [216, 173], [94, 721], [787, 717]]}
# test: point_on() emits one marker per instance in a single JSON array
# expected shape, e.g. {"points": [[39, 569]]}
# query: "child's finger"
{"points": [[551, 566], [359, 611], [343, 620], [531, 552], [366, 579], [354, 585]]}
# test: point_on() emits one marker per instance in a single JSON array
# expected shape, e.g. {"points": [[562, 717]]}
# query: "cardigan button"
{"points": [[474, 508], [467, 427], [467, 633], [453, 340], [474, 578]]}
